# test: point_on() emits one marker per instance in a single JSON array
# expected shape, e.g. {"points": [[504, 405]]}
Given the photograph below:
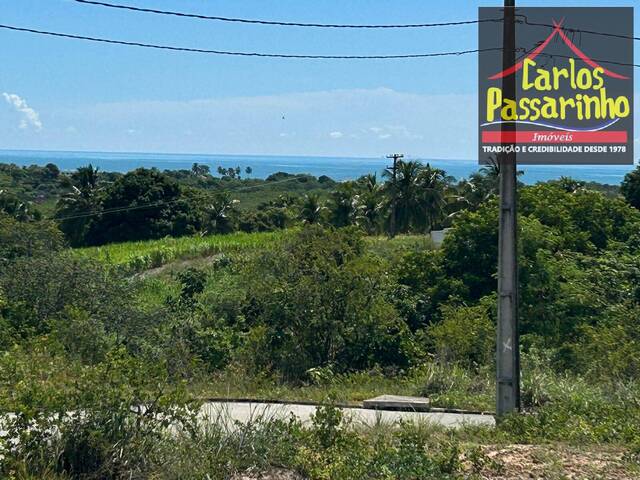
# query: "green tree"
{"points": [[344, 205], [77, 209], [18, 209], [630, 187], [311, 209], [200, 170], [317, 302], [27, 239], [220, 213], [372, 204], [143, 204], [434, 195]]}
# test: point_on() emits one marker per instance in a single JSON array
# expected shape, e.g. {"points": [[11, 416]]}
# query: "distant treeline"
{"points": [[93, 207]]}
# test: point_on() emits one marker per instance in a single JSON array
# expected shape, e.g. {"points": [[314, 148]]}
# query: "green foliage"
{"points": [[610, 348], [11, 205], [144, 204], [630, 188], [317, 301], [304, 312], [77, 209], [135, 257], [86, 422], [465, 334], [27, 239], [41, 288]]}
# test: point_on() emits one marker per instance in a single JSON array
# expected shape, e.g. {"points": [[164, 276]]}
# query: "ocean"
{"points": [[264, 165]]}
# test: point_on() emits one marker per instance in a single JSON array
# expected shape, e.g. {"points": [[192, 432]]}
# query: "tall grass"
{"points": [[142, 255], [134, 257]]}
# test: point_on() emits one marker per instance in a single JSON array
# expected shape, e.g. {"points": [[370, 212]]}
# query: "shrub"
{"points": [[102, 422], [466, 335], [317, 301]]}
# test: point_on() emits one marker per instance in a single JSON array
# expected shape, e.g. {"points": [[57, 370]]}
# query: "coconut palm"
{"points": [[219, 212], [311, 209], [434, 196], [404, 192], [371, 203], [345, 205], [77, 209]]}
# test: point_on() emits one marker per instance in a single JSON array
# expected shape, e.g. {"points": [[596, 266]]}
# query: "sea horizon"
{"points": [[339, 168]]}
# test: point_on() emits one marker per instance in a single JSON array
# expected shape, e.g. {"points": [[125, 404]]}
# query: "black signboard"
{"points": [[574, 80]]}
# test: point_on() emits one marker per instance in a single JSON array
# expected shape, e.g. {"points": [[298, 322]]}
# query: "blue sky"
{"points": [[69, 95]]}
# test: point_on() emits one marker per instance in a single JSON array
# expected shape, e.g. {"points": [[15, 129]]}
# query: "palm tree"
{"points": [[433, 196], [219, 212], [345, 205], [483, 184], [404, 192], [311, 209], [371, 203], [77, 209]]}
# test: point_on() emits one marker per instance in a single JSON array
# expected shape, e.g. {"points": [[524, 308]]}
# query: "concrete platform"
{"points": [[231, 413], [397, 402]]}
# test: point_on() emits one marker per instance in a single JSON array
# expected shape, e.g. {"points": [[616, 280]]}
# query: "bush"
{"points": [[466, 335], [318, 301], [27, 239], [103, 422]]}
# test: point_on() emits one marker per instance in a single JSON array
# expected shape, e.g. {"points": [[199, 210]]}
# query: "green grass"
{"points": [[143, 255], [446, 386], [383, 246]]}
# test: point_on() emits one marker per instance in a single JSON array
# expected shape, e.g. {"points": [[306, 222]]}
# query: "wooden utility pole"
{"points": [[508, 343], [394, 168]]}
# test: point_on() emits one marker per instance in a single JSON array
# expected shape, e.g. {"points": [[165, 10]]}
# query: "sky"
{"points": [[61, 94]]}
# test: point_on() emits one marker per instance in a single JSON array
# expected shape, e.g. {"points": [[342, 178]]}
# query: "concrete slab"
{"points": [[230, 413], [398, 402]]}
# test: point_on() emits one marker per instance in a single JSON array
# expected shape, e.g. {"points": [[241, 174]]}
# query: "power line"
{"points": [[280, 23], [337, 25], [245, 54]]}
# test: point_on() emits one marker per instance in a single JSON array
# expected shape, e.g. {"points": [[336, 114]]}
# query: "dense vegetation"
{"points": [[101, 354]]}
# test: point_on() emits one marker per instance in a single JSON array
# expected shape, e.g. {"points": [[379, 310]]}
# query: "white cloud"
{"points": [[397, 131], [336, 134], [29, 117]]}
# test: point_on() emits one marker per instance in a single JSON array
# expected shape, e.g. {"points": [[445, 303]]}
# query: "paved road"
{"points": [[247, 412]]}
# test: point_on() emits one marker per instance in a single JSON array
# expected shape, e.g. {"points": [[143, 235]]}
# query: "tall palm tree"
{"points": [[433, 196], [371, 203], [483, 184], [404, 192], [311, 209]]}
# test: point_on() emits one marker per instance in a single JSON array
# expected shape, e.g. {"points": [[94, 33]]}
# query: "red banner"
{"points": [[547, 137]]}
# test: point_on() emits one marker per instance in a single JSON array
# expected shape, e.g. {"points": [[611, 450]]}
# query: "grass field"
{"points": [[143, 255]]}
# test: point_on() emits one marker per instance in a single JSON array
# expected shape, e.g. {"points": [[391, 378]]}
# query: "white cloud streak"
{"points": [[28, 116]]}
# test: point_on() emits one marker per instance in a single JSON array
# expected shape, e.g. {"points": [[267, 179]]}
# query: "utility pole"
{"points": [[508, 342], [394, 168]]}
